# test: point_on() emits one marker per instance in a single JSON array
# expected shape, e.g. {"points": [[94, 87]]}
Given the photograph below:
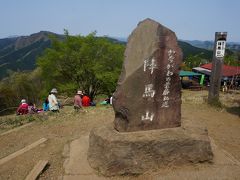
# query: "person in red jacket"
{"points": [[23, 108], [85, 100]]}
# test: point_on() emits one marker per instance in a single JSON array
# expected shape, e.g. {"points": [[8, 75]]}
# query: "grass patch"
{"points": [[9, 122], [234, 110]]}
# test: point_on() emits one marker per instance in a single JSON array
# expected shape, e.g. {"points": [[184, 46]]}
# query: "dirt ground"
{"points": [[60, 129]]}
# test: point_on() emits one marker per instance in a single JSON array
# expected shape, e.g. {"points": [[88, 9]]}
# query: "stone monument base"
{"points": [[113, 153]]}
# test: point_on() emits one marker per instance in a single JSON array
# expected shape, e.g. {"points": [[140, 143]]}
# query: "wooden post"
{"points": [[36, 171], [217, 62], [21, 151]]}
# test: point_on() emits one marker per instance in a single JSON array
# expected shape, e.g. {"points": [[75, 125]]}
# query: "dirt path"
{"points": [[61, 129]]}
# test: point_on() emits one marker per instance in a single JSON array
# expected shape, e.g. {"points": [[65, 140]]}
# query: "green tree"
{"points": [[193, 61], [231, 60], [21, 85], [90, 63]]}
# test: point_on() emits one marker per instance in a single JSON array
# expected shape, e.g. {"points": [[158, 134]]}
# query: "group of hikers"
{"points": [[51, 103], [81, 100]]}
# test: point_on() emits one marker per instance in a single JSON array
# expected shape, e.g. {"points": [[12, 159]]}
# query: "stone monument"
{"points": [[147, 131], [148, 93]]}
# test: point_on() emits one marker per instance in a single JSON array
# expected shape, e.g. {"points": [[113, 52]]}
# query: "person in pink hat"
{"points": [[78, 101]]}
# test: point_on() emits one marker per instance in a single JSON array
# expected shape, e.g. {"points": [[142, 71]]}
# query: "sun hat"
{"points": [[23, 101], [54, 90], [79, 92]]}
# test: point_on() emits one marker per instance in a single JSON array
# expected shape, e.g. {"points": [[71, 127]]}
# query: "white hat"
{"points": [[54, 90], [79, 93], [23, 101]]}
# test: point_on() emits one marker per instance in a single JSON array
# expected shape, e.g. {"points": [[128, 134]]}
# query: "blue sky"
{"points": [[190, 19]]}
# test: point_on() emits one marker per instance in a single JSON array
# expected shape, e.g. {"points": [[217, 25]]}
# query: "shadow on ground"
{"points": [[235, 109]]}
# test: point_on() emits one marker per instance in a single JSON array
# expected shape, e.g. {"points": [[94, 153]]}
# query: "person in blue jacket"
{"points": [[46, 105]]}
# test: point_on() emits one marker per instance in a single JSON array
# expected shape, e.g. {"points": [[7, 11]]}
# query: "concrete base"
{"points": [[76, 165], [224, 166], [113, 153]]}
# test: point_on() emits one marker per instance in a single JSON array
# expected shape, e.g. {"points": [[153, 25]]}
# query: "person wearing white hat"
{"points": [[53, 102], [23, 108], [78, 101], [54, 90]]}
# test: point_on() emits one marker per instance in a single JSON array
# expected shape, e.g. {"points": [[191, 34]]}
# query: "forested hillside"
{"points": [[20, 53], [188, 50]]}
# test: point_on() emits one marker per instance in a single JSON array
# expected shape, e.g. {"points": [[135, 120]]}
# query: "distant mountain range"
{"points": [[233, 46], [19, 53], [187, 48]]}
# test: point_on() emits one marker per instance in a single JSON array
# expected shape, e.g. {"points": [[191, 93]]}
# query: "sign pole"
{"points": [[217, 62]]}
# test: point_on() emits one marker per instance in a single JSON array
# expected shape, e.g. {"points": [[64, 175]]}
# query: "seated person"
{"points": [[23, 108], [85, 100], [46, 105], [107, 101], [77, 101], [32, 108], [53, 101], [92, 103]]}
